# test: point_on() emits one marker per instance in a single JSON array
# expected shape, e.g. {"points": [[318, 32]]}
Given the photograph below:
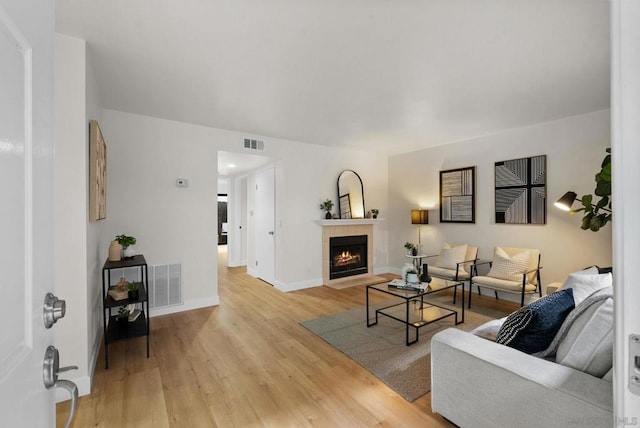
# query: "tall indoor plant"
{"points": [[597, 214]]}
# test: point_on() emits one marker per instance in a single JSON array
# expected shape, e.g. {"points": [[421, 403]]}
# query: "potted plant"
{"points": [[327, 206], [133, 290], [410, 273], [127, 245], [410, 247], [597, 214], [122, 317], [375, 212]]}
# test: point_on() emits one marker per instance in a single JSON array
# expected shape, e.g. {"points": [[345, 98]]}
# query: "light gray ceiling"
{"points": [[234, 164], [392, 75]]}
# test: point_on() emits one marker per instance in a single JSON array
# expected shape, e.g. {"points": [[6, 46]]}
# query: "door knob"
{"points": [[271, 232], [50, 369], [53, 309]]}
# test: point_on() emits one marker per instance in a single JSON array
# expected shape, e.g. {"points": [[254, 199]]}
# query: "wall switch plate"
{"points": [[182, 182]]}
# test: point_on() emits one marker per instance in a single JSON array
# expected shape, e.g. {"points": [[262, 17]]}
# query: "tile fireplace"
{"points": [[352, 253]]}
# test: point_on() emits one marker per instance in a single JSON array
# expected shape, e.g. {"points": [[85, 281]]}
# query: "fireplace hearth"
{"points": [[347, 256]]}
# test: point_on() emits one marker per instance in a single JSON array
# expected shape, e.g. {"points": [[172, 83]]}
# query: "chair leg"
{"points": [[496, 293], [470, 293], [455, 290]]}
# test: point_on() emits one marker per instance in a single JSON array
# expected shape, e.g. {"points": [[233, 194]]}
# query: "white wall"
{"points": [[96, 253], [574, 147], [70, 209], [223, 185], [146, 155], [172, 224]]}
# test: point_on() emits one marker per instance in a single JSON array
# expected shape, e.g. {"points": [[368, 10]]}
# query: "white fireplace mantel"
{"points": [[348, 222]]}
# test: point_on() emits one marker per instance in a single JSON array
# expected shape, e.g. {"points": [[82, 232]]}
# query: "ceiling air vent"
{"points": [[253, 144]]}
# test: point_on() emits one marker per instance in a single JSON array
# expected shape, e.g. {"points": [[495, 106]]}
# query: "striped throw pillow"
{"points": [[508, 267]]}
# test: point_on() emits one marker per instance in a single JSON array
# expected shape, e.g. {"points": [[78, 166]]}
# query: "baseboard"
{"points": [[252, 272], [301, 285], [84, 388], [187, 305]]}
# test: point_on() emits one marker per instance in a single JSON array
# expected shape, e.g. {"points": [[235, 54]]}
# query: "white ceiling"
{"points": [[392, 75], [234, 164]]}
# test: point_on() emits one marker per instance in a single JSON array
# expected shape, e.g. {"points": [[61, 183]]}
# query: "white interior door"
{"points": [[265, 225], [26, 225]]}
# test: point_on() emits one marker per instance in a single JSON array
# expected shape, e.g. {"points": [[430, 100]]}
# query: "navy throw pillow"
{"points": [[532, 328]]}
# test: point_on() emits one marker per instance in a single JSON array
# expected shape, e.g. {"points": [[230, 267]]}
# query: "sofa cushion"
{"points": [[450, 256], [490, 329], [447, 273], [532, 328], [495, 283], [585, 282], [588, 344], [507, 267], [595, 298]]}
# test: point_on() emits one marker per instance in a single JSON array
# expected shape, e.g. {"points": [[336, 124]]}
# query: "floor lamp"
{"points": [[419, 217]]}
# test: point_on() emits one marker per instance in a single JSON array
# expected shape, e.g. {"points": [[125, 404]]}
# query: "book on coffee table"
{"points": [[404, 285]]}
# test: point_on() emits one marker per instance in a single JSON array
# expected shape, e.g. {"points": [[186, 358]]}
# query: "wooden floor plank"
{"points": [[247, 363]]}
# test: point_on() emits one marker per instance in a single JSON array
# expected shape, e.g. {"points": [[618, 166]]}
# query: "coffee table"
{"points": [[412, 310]]}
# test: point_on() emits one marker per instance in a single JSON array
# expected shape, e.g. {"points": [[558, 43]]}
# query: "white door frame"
{"points": [[625, 148]]}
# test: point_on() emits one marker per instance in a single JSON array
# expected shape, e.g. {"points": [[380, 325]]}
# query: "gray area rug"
{"points": [[381, 348]]}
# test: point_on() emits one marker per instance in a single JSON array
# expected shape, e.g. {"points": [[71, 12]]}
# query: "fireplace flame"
{"points": [[346, 258]]}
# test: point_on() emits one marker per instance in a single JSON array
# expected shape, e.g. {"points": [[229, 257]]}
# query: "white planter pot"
{"points": [[412, 278]]}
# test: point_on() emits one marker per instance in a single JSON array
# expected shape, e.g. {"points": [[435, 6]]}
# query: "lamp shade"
{"points": [[419, 217], [565, 202]]}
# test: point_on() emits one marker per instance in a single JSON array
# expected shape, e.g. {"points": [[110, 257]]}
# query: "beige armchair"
{"points": [[512, 270], [454, 262]]}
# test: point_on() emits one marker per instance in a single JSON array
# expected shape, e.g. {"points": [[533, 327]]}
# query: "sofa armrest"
{"points": [[479, 383]]}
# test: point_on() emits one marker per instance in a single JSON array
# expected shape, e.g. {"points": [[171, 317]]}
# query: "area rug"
{"points": [[381, 348], [372, 279]]}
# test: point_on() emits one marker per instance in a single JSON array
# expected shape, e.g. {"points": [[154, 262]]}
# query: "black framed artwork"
{"points": [[457, 195], [521, 191]]}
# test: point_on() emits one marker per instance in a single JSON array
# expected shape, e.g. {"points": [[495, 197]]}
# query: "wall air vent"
{"points": [[253, 144]]}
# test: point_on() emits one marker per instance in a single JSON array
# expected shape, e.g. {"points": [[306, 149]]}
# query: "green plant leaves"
{"points": [[594, 219]]}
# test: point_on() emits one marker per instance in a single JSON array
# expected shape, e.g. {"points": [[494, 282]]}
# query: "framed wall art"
{"points": [[97, 173], [457, 195], [521, 191]]}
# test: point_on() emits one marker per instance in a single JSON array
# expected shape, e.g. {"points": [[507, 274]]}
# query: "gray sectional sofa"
{"points": [[476, 382]]}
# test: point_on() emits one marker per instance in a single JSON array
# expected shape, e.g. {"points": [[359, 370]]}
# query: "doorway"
{"points": [[223, 225], [237, 174]]}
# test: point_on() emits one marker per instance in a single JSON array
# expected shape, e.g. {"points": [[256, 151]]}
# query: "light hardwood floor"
{"points": [[247, 363]]}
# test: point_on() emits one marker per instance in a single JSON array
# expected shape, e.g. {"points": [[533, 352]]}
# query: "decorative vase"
{"points": [[375, 215], [133, 294], [129, 252], [115, 251], [328, 215], [414, 251], [412, 278], [425, 274]]}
